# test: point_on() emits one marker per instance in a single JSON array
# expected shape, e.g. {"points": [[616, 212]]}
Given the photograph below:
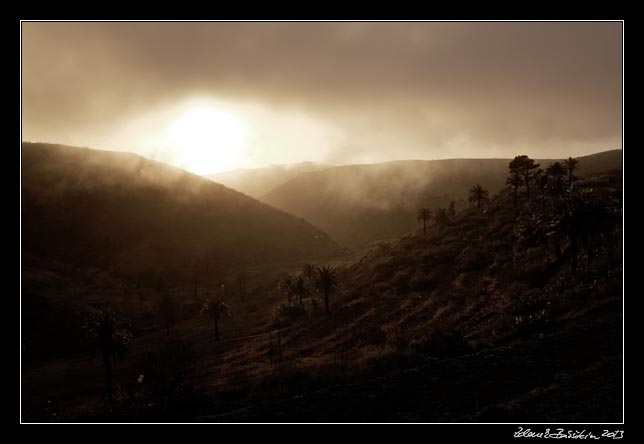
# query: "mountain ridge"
{"points": [[382, 198], [133, 210]]}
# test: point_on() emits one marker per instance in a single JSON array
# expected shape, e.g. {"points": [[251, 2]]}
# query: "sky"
{"points": [[211, 97]]}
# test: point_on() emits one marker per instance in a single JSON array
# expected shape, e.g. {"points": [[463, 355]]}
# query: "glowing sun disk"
{"points": [[207, 140]]}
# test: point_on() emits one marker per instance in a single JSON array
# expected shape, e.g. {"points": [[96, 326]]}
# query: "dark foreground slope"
{"points": [[358, 204], [501, 315]]}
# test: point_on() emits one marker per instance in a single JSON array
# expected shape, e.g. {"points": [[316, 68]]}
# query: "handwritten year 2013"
{"points": [[560, 433]]}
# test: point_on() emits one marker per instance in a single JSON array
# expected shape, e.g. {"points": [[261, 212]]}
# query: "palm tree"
{"points": [[571, 165], [326, 283], [478, 195], [556, 170], [541, 181], [285, 286], [424, 214], [442, 217], [525, 168], [515, 182], [299, 288], [556, 187], [110, 336], [215, 309]]}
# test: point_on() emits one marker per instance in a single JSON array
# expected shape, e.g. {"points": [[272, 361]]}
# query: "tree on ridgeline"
{"points": [[109, 335], [556, 187], [525, 168], [423, 215], [541, 184], [326, 282], [556, 170], [515, 181], [478, 195], [571, 165]]}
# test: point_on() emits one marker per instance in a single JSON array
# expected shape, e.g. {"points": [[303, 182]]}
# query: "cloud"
{"points": [[393, 90]]}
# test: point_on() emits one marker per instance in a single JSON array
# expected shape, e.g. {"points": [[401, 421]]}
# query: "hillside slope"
{"points": [[358, 204], [135, 216], [511, 313]]}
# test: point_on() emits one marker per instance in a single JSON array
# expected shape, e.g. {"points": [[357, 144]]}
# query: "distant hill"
{"points": [[133, 216], [358, 204], [259, 181]]}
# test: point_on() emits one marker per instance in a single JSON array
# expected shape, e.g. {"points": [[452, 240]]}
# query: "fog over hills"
{"points": [[258, 181], [357, 204], [135, 216]]}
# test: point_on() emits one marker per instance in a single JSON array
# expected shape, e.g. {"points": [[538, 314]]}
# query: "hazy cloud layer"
{"points": [[380, 90]]}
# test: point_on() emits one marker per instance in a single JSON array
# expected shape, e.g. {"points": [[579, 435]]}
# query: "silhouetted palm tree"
{"points": [[326, 283], [285, 286], [110, 336], [541, 181], [478, 195], [423, 215], [556, 170], [441, 216], [515, 182], [525, 168], [556, 187], [571, 165], [215, 309]]}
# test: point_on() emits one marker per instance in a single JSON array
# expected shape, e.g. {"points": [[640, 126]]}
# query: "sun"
{"points": [[207, 139]]}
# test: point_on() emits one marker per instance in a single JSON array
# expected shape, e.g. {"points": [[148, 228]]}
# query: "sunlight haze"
{"points": [[339, 93]]}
